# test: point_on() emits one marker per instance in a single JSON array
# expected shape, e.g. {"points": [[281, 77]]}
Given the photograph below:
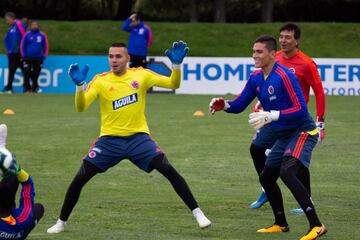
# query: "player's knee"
{"points": [[39, 210], [287, 169], [162, 164], [256, 150], [264, 178], [269, 176]]}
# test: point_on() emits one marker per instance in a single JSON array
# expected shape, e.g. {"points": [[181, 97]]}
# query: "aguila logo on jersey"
{"points": [[271, 89], [135, 85], [133, 98]]}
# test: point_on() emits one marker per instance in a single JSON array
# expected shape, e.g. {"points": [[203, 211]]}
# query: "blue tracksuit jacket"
{"points": [[13, 37], [140, 38], [34, 45]]}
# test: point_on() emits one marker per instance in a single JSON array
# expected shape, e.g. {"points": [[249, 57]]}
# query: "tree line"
{"points": [[188, 10]]}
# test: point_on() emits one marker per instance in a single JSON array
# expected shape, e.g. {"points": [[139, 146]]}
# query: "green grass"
{"points": [[211, 152], [204, 39]]}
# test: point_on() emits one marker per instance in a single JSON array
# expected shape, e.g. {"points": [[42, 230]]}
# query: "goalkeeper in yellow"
{"points": [[124, 131]]}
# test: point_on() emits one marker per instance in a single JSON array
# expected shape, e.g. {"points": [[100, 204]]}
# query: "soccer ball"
{"points": [[6, 159]]}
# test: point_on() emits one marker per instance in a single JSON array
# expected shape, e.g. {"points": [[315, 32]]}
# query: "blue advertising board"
{"points": [[54, 77]]}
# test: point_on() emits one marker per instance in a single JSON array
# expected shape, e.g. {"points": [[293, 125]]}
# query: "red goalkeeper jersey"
{"points": [[305, 70]]}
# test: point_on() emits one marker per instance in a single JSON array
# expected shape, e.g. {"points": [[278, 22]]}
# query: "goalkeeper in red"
{"points": [[124, 131], [286, 114]]}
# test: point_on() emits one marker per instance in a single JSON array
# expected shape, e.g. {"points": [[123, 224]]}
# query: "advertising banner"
{"points": [[200, 75]]}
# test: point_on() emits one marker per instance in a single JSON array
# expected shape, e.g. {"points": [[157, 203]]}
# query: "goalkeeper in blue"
{"points": [[286, 113], [16, 223], [124, 131]]}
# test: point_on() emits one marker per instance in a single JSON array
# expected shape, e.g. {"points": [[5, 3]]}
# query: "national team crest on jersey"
{"points": [[38, 39], [135, 85], [271, 89], [292, 70], [92, 154], [133, 98]]}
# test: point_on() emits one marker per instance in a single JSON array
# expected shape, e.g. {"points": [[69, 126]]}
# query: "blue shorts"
{"points": [[264, 137], [290, 143], [108, 151]]}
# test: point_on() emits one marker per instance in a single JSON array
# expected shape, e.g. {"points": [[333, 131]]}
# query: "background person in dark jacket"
{"points": [[139, 41], [34, 49], [12, 42]]}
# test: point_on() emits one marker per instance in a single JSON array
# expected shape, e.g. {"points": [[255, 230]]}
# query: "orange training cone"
{"points": [[198, 113], [9, 111]]}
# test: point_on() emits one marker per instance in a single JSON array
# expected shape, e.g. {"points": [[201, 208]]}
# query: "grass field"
{"points": [[204, 39], [211, 152]]}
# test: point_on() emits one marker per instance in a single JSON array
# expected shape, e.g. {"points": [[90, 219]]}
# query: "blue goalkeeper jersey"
{"points": [[280, 91], [15, 225]]}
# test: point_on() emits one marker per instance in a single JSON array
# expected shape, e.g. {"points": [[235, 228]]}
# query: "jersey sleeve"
{"points": [[7, 42], [23, 46], [22, 27], [241, 101], [292, 88], [316, 85], [83, 99], [126, 26], [149, 36], [45, 45], [24, 212], [172, 82]]}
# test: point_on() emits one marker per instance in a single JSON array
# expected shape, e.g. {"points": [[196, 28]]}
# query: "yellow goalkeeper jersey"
{"points": [[123, 98]]}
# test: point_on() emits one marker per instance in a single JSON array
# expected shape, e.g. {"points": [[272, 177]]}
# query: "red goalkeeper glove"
{"points": [[218, 104], [258, 107], [320, 124], [321, 128]]}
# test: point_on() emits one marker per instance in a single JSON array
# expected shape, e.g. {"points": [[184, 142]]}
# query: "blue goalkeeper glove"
{"points": [[177, 53], [77, 76]]}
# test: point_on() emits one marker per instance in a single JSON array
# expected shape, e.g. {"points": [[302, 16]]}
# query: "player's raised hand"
{"points": [[177, 53], [14, 168], [218, 104], [259, 119], [77, 76], [8, 162]]}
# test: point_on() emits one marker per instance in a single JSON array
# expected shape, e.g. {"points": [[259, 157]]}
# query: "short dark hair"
{"points": [[119, 44], [7, 198], [10, 15], [269, 41], [292, 27]]}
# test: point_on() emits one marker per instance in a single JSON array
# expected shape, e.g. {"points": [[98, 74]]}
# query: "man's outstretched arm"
{"points": [[83, 97]]}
